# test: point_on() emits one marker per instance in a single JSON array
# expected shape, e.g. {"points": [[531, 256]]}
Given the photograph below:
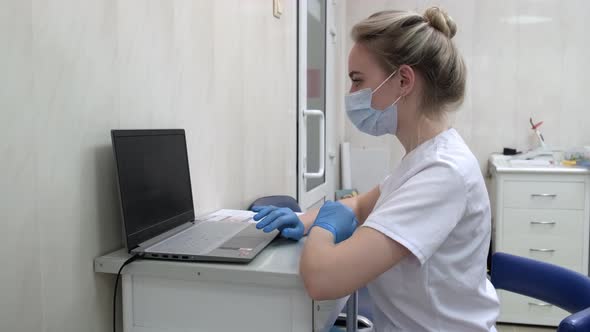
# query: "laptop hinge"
{"points": [[157, 239]]}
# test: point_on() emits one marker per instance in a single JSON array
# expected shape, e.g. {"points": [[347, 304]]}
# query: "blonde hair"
{"points": [[422, 42]]}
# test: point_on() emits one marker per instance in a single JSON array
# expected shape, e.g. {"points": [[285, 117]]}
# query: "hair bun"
{"points": [[441, 21]]}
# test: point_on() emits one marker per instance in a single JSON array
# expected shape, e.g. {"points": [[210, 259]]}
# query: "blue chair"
{"points": [[549, 283], [278, 201]]}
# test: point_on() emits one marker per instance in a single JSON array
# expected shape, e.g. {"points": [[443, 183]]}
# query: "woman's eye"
{"points": [[356, 82]]}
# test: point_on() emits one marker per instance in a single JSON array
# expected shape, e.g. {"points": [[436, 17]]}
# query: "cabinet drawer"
{"points": [[556, 225], [564, 252], [515, 308], [544, 195]]}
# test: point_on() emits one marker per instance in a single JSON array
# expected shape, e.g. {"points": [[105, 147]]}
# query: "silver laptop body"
{"points": [[157, 207]]}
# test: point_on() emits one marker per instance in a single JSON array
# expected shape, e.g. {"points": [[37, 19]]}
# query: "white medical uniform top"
{"points": [[436, 205]]}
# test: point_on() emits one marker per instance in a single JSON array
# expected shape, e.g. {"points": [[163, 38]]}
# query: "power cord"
{"points": [[127, 262]]}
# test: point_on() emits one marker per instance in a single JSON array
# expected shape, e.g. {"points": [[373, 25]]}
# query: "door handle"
{"points": [[321, 171]]}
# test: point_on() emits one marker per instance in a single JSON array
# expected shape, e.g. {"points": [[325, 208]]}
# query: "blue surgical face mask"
{"points": [[366, 118]]}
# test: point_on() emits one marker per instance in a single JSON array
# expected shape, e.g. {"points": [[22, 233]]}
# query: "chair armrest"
{"points": [[580, 321]]}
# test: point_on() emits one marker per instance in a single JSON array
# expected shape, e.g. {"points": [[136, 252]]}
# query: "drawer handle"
{"points": [[541, 304], [544, 195], [543, 222], [542, 250]]}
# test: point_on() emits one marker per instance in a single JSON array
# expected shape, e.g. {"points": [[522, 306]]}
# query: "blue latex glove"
{"points": [[338, 219], [283, 219]]}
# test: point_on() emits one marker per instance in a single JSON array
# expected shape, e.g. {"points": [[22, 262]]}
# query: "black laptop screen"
{"points": [[154, 182]]}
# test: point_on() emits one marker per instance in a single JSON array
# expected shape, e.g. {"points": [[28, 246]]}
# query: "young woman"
{"points": [[420, 239]]}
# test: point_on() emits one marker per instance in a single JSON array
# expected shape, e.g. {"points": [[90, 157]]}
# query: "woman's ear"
{"points": [[407, 79]]}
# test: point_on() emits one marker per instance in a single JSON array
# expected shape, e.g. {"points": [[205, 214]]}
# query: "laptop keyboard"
{"points": [[201, 238]]}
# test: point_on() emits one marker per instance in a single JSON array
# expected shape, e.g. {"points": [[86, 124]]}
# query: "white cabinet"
{"points": [[540, 213]]}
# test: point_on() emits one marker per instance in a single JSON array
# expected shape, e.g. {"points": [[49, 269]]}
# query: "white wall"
{"points": [[515, 71], [71, 70]]}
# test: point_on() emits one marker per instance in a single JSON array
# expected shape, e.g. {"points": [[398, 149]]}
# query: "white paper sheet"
{"points": [[230, 215]]}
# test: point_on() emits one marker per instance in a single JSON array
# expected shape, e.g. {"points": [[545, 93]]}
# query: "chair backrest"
{"points": [[279, 201], [550, 283]]}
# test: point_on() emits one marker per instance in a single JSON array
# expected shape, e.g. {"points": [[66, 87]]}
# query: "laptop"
{"points": [[157, 204]]}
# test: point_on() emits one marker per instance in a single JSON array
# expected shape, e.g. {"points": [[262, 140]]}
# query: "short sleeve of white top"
{"points": [[436, 205]]}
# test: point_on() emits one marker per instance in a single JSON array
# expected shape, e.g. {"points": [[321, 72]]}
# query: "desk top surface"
{"points": [[276, 264], [503, 164]]}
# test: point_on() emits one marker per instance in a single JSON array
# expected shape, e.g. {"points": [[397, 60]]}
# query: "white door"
{"points": [[316, 150]]}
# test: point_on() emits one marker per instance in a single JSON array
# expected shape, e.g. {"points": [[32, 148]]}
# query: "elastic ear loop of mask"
{"points": [[380, 85], [387, 79], [398, 98]]}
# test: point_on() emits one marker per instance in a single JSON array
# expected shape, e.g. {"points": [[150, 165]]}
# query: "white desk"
{"points": [[265, 295]]}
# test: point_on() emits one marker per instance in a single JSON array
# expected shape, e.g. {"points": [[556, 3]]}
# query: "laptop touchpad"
{"points": [[242, 242]]}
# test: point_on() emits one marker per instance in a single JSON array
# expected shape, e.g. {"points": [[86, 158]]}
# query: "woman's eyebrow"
{"points": [[354, 72]]}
